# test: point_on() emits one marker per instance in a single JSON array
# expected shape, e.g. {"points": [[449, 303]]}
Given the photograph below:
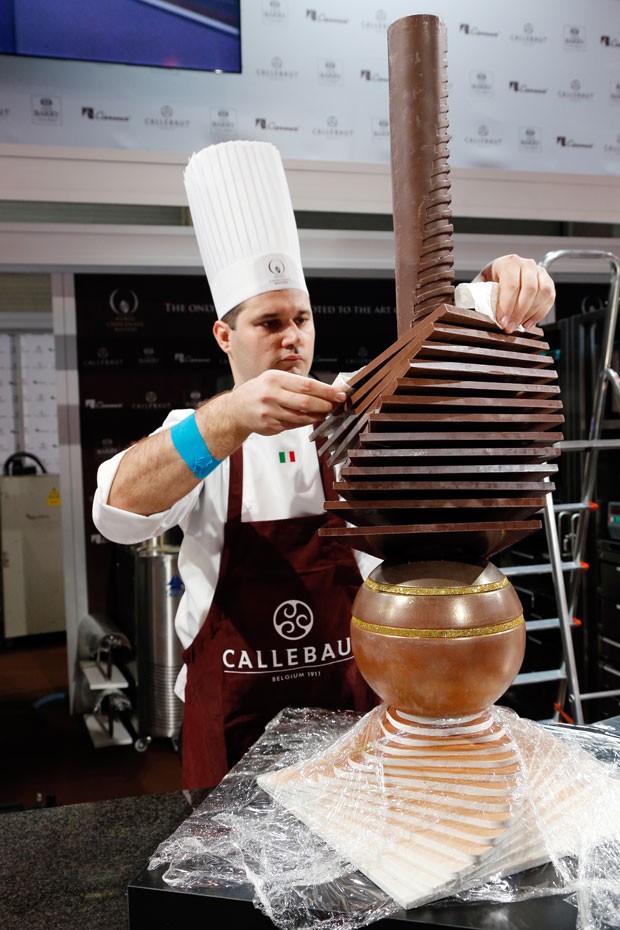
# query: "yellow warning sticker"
{"points": [[54, 498]]}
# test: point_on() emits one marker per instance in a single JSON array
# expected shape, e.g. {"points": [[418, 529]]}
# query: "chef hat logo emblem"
{"points": [[293, 619], [276, 266]]}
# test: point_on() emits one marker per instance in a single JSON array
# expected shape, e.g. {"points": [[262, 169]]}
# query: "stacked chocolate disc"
{"points": [[447, 442]]}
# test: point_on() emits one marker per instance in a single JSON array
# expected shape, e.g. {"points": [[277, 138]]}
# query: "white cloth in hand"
{"points": [[481, 296]]}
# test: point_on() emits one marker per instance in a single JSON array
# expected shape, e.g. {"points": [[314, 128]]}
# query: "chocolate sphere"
{"points": [[438, 639]]}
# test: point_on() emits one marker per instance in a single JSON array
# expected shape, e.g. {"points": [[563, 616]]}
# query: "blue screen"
{"points": [[200, 35]]}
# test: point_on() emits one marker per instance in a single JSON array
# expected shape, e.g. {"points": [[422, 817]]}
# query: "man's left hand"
{"points": [[526, 291]]}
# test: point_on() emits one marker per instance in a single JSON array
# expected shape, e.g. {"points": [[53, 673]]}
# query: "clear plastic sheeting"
{"points": [[494, 808]]}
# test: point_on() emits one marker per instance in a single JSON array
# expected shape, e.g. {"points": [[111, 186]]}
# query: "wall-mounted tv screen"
{"points": [[199, 35]]}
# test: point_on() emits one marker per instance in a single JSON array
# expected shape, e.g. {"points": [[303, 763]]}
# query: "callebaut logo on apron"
{"points": [[293, 621]]}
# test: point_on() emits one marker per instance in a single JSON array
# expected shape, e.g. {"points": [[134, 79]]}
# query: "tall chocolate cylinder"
{"points": [[421, 194]]}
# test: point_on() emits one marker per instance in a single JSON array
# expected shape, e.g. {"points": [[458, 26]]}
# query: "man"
{"points": [[264, 619]]}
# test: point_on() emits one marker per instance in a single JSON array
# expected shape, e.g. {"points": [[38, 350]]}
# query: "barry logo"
{"points": [[293, 619], [276, 266]]}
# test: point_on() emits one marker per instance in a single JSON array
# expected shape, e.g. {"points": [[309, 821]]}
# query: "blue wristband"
{"points": [[188, 441]]}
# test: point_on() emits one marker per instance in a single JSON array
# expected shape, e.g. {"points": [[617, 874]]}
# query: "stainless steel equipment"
{"points": [[157, 591]]}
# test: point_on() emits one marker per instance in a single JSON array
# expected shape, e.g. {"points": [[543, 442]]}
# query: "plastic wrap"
{"points": [[563, 809]]}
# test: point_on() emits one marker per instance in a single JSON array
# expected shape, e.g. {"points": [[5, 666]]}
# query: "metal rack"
{"points": [[567, 573]]}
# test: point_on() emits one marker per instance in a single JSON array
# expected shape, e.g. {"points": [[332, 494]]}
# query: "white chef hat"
{"points": [[244, 222]]}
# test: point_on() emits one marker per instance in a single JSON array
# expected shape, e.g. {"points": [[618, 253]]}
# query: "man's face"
{"points": [[273, 330]]}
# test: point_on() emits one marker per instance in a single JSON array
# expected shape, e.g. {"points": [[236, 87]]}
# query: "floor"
{"points": [[47, 755]]}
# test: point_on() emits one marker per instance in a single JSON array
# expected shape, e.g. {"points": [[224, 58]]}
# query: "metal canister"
{"points": [[157, 590]]}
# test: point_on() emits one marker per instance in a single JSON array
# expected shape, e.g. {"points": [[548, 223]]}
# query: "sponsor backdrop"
{"points": [[533, 86]]}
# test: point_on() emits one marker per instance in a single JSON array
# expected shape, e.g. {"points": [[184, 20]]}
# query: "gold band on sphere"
{"points": [[438, 634], [414, 591]]}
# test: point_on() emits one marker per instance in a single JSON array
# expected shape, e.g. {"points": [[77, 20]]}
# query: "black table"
{"points": [[153, 905]]}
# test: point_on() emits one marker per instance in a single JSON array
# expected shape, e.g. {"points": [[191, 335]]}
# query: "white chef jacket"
{"points": [[272, 490]]}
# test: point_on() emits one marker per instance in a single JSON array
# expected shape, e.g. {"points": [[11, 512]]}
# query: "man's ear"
{"points": [[221, 333]]}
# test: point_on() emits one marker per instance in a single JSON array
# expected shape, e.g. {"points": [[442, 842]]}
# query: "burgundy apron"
{"points": [[276, 635]]}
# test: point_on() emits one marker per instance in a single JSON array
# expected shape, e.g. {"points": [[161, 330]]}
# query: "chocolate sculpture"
{"points": [[444, 441], [444, 444], [446, 436]]}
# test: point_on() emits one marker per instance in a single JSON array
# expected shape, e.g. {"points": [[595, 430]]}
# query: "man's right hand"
{"points": [[273, 402], [152, 476]]}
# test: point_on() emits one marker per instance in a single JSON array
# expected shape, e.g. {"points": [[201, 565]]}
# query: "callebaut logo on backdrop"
{"points": [[614, 92], [166, 119], [332, 129], [150, 402], [380, 22], [610, 41], [575, 92], [103, 359], [484, 137], [277, 71], [528, 36]]}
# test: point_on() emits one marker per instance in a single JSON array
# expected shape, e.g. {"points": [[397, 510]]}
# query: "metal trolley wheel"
{"points": [[142, 743]]}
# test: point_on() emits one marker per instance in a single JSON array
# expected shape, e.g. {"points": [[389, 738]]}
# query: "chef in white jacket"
{"points": [[264, 620]]}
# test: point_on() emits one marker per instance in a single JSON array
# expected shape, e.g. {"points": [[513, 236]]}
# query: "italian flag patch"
{"points": [[286, 457]]}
